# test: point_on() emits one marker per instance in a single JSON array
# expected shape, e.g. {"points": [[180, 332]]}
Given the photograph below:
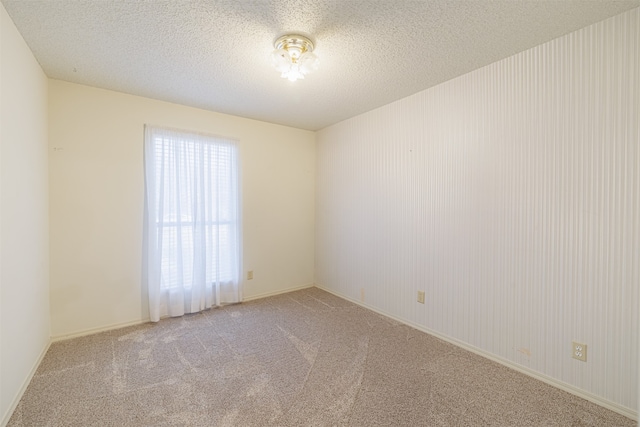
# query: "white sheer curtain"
{"points": [[192, 222]]}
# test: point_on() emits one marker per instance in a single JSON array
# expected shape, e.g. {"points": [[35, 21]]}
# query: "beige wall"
{"points": [[96, 187], [24, 259]]}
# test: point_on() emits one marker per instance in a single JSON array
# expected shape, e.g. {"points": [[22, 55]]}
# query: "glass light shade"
{"points": [[308, 63], [281, 60]]}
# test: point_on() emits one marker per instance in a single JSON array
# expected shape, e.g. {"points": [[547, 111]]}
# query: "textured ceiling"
{"points": [[215, 54]]}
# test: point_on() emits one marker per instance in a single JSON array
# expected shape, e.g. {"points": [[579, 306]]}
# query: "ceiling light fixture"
{"points": [[294, 57]]}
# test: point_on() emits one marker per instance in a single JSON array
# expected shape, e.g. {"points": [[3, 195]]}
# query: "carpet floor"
{"points": [[306, 358]]}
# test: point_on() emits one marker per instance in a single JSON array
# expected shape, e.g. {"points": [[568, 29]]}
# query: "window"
{"points": [[192, 221]]}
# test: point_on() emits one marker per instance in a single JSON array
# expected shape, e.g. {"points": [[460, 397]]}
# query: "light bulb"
{"points": [[294, 73], [295, 52]]}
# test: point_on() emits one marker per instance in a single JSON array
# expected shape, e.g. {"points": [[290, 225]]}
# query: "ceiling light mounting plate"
{"points": [[293, 43]]}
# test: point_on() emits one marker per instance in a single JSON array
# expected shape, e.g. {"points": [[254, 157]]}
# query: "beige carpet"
{"points": [[306, 358]]}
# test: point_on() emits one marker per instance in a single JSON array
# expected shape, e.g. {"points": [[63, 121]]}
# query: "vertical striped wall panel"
{"points": [[510, 195]]}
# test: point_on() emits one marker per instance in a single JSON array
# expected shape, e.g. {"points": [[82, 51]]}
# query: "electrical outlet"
{"points": [[249, 274], [421, 297], [579, 351]]}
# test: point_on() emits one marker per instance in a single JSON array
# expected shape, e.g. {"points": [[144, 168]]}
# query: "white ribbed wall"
{"points": [[510, 195]]}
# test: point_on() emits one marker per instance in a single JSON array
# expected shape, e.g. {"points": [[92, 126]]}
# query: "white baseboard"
{"points": [[622, 410], [92, 331], [278, 292], [7, 416]]}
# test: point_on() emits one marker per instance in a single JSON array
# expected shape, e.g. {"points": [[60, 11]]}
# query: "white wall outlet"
{"points": [[579, 351], [421, 297], [249, 274]]}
